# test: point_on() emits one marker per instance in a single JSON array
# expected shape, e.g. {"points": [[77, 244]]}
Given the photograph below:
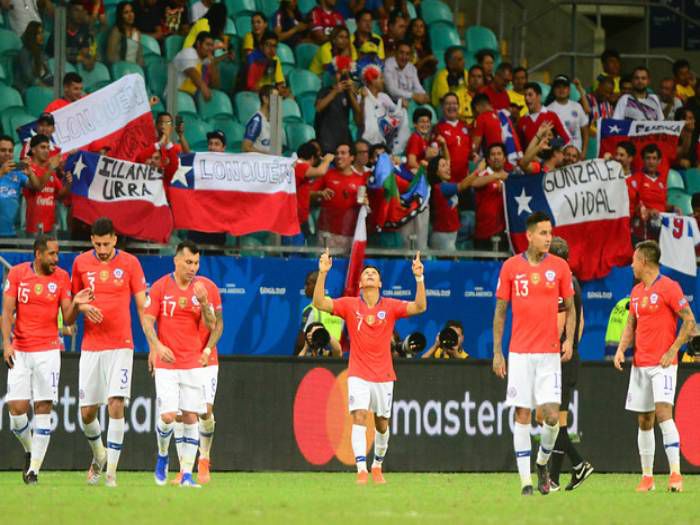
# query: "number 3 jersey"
{"points": [[179, 317], [534, 293], [113, 283], [38, 300]]}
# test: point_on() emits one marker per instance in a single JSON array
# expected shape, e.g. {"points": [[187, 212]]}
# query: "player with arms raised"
{"points": [[179, 302], [34, 291], [656, 303], [533, 282], [370, 321], [107, 350]]}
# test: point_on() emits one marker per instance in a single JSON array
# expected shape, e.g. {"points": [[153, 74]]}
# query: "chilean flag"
{"points": [[130, 194], [588, 203], [509, 138], [235, 193], [357, 255]]}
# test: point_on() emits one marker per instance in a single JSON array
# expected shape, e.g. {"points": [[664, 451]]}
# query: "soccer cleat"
{"points": [[188, 483], [203, 474], [527, 491], [377, 476], [675, 482], [32, 478], [362, 477], [177, 479], [542, 479], [161, 473], [646, 485], [110, 481], [554, 486], [95, 471], [580, 475], [27, 463]]}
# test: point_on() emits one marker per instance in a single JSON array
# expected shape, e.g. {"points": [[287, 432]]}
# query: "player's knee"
{"points": [[381, 424], [359, 417], [43, 407], [523, 415], [88, 414], [646, 421], [167, 418], [664, 412], [17, 408]]}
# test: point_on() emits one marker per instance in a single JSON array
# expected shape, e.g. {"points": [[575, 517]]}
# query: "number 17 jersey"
{"points": [[534, 293]]}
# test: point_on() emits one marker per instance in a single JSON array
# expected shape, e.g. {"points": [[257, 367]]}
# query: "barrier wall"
{"points": [[263, 299], [286, 414]]}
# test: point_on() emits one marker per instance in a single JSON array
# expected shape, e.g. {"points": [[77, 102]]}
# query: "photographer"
{"points": [[409, 348], [448, 343], [319, 343]]}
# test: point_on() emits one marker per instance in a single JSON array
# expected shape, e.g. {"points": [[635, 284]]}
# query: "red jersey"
{"points": [[178, 315], [529, 124], [370, 331], [417, 144], [459, 144], [488, 126], [656, 311], [643, 189], [305, 185], [339, 214], [498, 99], [41, 205], [113, 282], [490, 216], [38, 300], [53, 149], [444, 214], [325, 20], [56, 105], [534, 293]]}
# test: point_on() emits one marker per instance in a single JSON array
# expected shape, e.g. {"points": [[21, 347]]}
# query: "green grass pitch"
{"points": [[333, 498]]}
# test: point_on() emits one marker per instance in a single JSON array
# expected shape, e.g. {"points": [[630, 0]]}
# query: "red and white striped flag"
{"points": [[357, 255]]}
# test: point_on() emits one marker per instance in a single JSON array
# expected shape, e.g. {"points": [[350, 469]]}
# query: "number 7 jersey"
{"points": [[534, 293]]}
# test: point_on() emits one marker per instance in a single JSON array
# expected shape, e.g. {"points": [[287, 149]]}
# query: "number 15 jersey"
{"points": [[534, 293]]}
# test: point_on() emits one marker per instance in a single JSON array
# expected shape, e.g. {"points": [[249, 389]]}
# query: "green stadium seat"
{"points": [[233, 130], [412, 13], [307, 104], [36, 98], [157, 78], [479, 37], [173, 45], [592, 152], [10, 43], [3, 76], [692, 180], [228, 72], [681, 200], [428, 84], [219, 104], [243, 24], [436, 11], [111, 14], [442, 36], [269, 7], [19, 120], [285, 54], [8, 114], [302, 81], [230, 27], [123, 68], [305, 6], [574, 95], [247, 103], [98, 74], [351, 24], [675, 181], [290, 111], [15, 154], [195, 130], [546, 88], [305, 53], [185, 104], [150, 45], [297, 134], [70, 68], [240, 7]]}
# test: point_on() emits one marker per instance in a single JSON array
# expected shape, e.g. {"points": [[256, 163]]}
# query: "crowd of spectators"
{"points": [[383, 88]]}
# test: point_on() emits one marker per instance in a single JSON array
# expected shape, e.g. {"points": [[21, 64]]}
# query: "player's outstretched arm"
{"points": [[320, 300], [625, 340], [568, 346], [420, 303], [499, 320], [687, 327], [8, 309]]}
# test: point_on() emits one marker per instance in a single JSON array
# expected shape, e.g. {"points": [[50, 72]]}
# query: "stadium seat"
{"points": [[428, 84], [70, 68], [290, 111], [436, 11], [150, 45], [307, 104], [219, 104], [546, 88], [675, 181], [297, 134], [228, 72], [479, 37], [240, 7], [98, 75], [111, 14], [681, 200], [185, 104], [123, 68], [233, 130], [412, 13], [19, 120], [285, 54], [592, 152], [3, 76], [574, 95], [692, 180], [269, 7], [195, 130], [247, 103], [305, 6], [230, 27], [243, 24], [6, 117], [305, 53], [36, 98], [302, 81], [10, 43], [173, 45], [442, 36], [351, 24], [157, 78]]}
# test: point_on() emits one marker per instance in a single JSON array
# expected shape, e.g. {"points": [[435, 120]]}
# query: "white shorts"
{"points": [[368, 395], [211, 374], [181, 390], [34, 376], [104, 374], [533, 380], [650, 385]]}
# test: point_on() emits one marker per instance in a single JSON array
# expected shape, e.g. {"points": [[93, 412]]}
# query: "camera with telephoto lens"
{"points": [[317, 337], [693, 347], [411, 346], [448, 338]]}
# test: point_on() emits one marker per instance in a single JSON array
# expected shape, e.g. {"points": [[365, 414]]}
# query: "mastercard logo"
{"points": [[687, 417], [322, 422]]}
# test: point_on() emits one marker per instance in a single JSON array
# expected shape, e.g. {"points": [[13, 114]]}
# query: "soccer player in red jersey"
{"points": [[370, 320], [107, 350], [533, 282], [656, 303], [181, 302], [34, 291]]}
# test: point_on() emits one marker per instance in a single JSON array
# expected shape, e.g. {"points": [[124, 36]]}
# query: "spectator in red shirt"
{"points": [[647, 194], [545, 151], [486, 58], [45, 125], [497, 90], [487, 127], [420, 147], [339, 209], [72, 91], [537, 114], [323, 19], [489, 233]]}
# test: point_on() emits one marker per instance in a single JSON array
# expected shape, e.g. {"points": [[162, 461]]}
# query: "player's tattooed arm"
{"points": [[687, 327], [218, 329], [568, 346], [626, 340], [499, 320]]}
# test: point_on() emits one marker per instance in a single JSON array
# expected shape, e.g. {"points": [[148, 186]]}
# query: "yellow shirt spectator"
{"points": [[441, 88], [685, 92], [517, 98], [323, 57], [200, 25], [377, 40]]}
